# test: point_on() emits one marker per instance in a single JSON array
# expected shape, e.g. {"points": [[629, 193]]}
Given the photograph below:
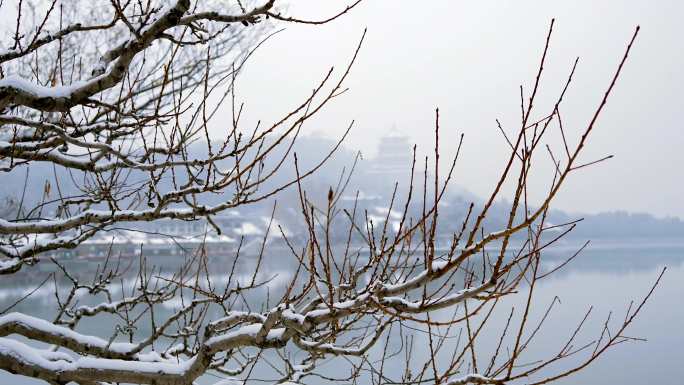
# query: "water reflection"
{"points": [[607, 276]]}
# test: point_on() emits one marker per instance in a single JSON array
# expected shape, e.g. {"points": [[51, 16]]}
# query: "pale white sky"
{"points": [[469, 57]]}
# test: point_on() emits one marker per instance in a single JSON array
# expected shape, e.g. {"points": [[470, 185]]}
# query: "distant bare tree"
{"points": [[118, 98]]}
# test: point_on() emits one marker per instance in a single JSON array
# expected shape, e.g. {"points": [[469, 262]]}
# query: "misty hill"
{"points": [[373, 180], [619, 224]]}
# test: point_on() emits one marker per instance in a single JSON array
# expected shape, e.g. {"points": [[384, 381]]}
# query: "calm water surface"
{"points": [[607, 276]]}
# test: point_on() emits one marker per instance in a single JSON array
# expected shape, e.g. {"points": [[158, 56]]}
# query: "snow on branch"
{"points": [[120, 108]]}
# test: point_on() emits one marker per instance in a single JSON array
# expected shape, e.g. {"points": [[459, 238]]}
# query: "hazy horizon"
{"points": [[469, 59]]}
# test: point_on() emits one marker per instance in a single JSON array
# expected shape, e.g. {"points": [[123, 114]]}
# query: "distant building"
{"points": [[226, 221], [393, 161], [169, 237]]}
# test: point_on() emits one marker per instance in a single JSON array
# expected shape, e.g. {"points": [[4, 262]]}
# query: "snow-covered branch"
{"points": [[120, 105]]}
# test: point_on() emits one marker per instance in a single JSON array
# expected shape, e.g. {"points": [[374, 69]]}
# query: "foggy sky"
{"points": [[468, 58]]}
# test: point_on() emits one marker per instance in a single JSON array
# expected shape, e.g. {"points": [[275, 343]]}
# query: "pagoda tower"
{"points": [[393, 160]]}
